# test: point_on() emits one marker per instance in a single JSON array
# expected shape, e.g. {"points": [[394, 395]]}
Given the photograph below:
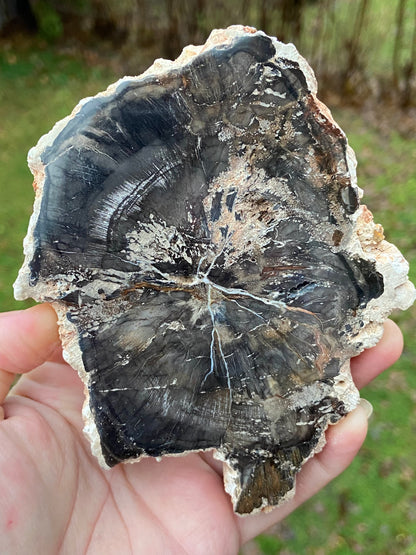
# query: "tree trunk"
{"points": [[398, 43], [409, 70]]}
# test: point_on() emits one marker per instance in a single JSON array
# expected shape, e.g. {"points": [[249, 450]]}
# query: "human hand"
{"points": [[54, 497]]}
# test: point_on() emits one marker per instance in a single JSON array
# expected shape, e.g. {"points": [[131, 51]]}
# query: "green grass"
{"points": [[371, 509]]}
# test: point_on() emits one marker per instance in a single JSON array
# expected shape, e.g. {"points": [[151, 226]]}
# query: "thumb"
{"points": [[27, 339]]}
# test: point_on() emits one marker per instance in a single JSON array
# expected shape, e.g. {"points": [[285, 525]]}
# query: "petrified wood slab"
{"points": [[200, 233]]}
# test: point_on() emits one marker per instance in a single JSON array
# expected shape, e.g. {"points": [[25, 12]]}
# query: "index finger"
{"points": [[372, 362]]}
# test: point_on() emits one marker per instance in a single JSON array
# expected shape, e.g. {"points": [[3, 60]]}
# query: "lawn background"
{"points": [[371, 509]]}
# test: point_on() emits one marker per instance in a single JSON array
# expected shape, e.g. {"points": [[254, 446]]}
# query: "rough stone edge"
{"points": [[399, 293]]}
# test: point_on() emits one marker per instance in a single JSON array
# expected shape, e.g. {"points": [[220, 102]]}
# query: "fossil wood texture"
{"points": [[199, 231]]}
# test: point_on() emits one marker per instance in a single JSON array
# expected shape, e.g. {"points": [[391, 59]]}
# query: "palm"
{"points": [[54, 495], [151, 506]]}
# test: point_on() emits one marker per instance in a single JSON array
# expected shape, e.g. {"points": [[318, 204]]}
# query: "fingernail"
{"points": [[367, 407]]}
